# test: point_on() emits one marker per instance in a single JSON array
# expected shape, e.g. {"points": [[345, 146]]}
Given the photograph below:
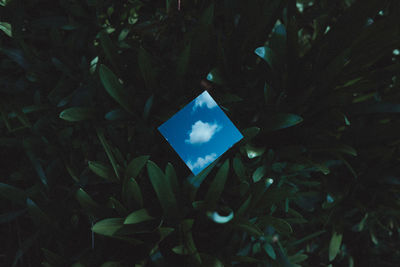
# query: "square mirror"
{"points": [[200, 132]]}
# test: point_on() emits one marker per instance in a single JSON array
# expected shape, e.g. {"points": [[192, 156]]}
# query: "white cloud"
{"points": [[201, 162], [204, 99], [202, 132]]}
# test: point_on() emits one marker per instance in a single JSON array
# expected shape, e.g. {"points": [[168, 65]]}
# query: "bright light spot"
{"points": [[381, 13], [369, 21], [329, 198], [260, 52], [216, 217], [251, 154], [396, 52], [327, 29], [300, 7], [269, 182], [210, 76]]}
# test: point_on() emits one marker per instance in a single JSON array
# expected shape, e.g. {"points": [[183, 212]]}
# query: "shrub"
{"points": [[86, 179]]}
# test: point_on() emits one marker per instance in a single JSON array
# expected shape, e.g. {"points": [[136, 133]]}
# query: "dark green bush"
{"points": [[312, 85]]}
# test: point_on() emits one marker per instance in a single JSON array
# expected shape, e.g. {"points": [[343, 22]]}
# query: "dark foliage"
{"points": [[313, 86]]}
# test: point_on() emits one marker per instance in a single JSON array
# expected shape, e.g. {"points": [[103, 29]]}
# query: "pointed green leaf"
{"points": [[334, 245], [217, 186], [135, 166], [281, 121], [114, 204], [170, 174], [102, 170], [270, 250], [239, 168], [114, 87], [147, 107], [259, 173], [131, 194], [298, 258], [138, 216], [109, 49], [88, 203], [6, 28], [108, 227], [108, 150], [163, 190], [249, 228]]}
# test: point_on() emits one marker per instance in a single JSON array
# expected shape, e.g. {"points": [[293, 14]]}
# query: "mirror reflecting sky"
{"points": [[200, 132]]}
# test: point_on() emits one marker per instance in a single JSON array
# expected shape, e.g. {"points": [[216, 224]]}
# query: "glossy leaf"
{"points": [[135, 166], [131, 194], [270, 250], [138, 216], [217, 186], [163, 190], [114, 87], [102, 170], [334, 245], [108, 227]]}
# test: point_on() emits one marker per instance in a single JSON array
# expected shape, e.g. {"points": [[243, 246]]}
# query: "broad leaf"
{"points": [[163, 189]]}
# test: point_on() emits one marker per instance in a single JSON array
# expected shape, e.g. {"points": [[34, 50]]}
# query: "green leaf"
{"points": [[109, 49], [306, 238], [298, 258], [114, 88], [147, 107], [239, 168], [131, 194], [259, 173], [249, 228], [170, 174], [146, 68], [88, 203], [108, 227], [281, 121], [135, 166], [114, 204], [107, 149], [12, 193], [6, 28], [138, 216], [217, 186], [116, 114], [334, 245], [102, 170], [270, 250], [163, 189]]}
